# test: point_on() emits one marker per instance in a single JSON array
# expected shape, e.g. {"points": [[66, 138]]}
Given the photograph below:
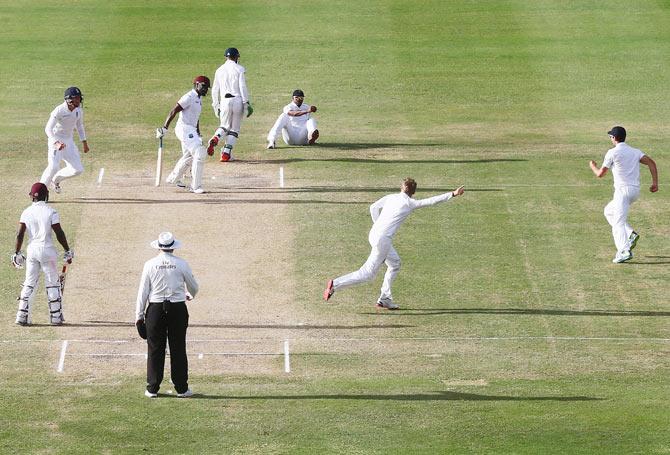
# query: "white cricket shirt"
{"points": [[163, 278], [39, 218], [229, 78], [300, 121], [191, 104], [624, 161], [389, 212], [63, 121]]}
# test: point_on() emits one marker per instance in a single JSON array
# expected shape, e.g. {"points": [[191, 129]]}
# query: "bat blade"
{"points": [[159, 162], [61, 278]]}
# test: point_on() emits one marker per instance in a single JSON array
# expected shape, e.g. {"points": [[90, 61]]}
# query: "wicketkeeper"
{"points": [[39, 220]]}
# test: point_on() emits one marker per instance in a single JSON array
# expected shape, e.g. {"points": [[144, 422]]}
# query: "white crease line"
{"points": [[287, 361], [281, 177], [61, 360], [100, 175], [251, 354]]}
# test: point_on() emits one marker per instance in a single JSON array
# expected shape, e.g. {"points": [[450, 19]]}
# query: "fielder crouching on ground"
{"points": [[161, 314], [39, 220]]}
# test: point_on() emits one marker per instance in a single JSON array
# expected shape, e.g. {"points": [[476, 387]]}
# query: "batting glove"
{"points": [[160, 132], [18, 260], [250, 110], [68, 256]]}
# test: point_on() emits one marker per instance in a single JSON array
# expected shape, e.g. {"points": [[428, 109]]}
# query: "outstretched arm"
{"points": [[654, 172], [439, 198]]}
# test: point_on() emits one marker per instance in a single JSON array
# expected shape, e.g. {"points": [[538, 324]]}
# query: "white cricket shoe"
{"points": [[271, 145], [56, 187], [622, 257], [187, 394], [150, 394], [386, 303], [197, 190], [632, 240]]}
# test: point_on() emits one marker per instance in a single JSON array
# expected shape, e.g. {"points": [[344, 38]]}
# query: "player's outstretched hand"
{"points": [[458, 191], [312, 108]]}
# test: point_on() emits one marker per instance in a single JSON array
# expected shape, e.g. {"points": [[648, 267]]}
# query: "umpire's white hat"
{"points": [[166, 241]]}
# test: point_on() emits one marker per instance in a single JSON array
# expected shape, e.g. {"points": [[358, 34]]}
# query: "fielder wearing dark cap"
{"points": [[624, 161], [296, 123]]}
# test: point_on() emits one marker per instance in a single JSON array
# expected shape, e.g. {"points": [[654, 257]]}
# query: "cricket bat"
{"points": [[61, 278], [159, 162]]}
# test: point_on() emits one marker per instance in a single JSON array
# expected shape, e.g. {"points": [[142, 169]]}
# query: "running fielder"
{"points": [[296, 123], [187, 131], [61, 147], [39, 220], [624, 161], [388, 213], [230, 100]]}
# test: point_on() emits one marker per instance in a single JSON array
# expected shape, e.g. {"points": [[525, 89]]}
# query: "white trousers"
{"points": [[193, 154], [616, 213], [292, 135], [69, 154], [44, 259], [382, 252]]}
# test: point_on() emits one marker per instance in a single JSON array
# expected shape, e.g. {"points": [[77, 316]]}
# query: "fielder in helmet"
{"points": [[39, 220], [61, 146], [187, 131], [230, 100]]}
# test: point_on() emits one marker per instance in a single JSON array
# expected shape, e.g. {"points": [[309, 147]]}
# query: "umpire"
{"points": [[165, 280]]}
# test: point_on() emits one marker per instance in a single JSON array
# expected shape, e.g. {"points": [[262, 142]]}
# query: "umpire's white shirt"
{"points": [[63, 121], [229, 78], [389, 212], [191, 104], [624, 161], [297, 121], [163, 278], [39, 218]]}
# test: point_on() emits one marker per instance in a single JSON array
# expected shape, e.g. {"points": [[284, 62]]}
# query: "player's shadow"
{"points": [[522, 311], [249, 326], [434, 396], [398, 161], [649, 260], [355, 189]]}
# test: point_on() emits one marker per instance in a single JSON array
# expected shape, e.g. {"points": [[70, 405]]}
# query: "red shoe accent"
{"points": [[213, 142], [314, 137], [225, 157], [329, 291]]}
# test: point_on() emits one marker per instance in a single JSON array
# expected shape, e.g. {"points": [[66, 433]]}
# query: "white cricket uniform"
{"points": [[624, 161], [186, 130], [41, 255], [163, 278], [294, 130], [388, 213], [60, 127], [229, 98]]}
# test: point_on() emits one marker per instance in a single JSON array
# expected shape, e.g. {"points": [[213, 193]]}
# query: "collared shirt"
{"points": [[192, 106], [164, 277], [63, 121], [389, 212], [39, 218], [229, 78], [624, 161], [299, 121]]}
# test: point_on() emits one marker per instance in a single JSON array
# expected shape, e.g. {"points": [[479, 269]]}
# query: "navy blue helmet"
{"points": [[232, 52], [72, 92]]}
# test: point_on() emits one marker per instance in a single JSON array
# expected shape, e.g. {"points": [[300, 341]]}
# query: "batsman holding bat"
{"points": [[187, 131], [39, 220], [388, 213]]}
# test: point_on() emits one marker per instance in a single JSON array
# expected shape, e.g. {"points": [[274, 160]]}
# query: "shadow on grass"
{"points": [[387, 161], [435, 396], [243, 326], [520, 311]]}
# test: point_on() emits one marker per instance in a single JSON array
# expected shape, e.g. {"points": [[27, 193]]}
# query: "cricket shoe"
{"points": [[632, 240], [622, 257], [56, 187], [271, 145], [313, 137], [187, 394], [329, 291], [213, 142], [387, 303], [225, 157], [197, 190], [22, 323], [150, 394]]}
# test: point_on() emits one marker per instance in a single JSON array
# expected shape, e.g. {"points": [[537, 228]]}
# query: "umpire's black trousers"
{"points": [[167, 322]]}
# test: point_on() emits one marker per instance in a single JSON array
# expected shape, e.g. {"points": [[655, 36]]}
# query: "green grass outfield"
{"points": [[517, 334]]}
